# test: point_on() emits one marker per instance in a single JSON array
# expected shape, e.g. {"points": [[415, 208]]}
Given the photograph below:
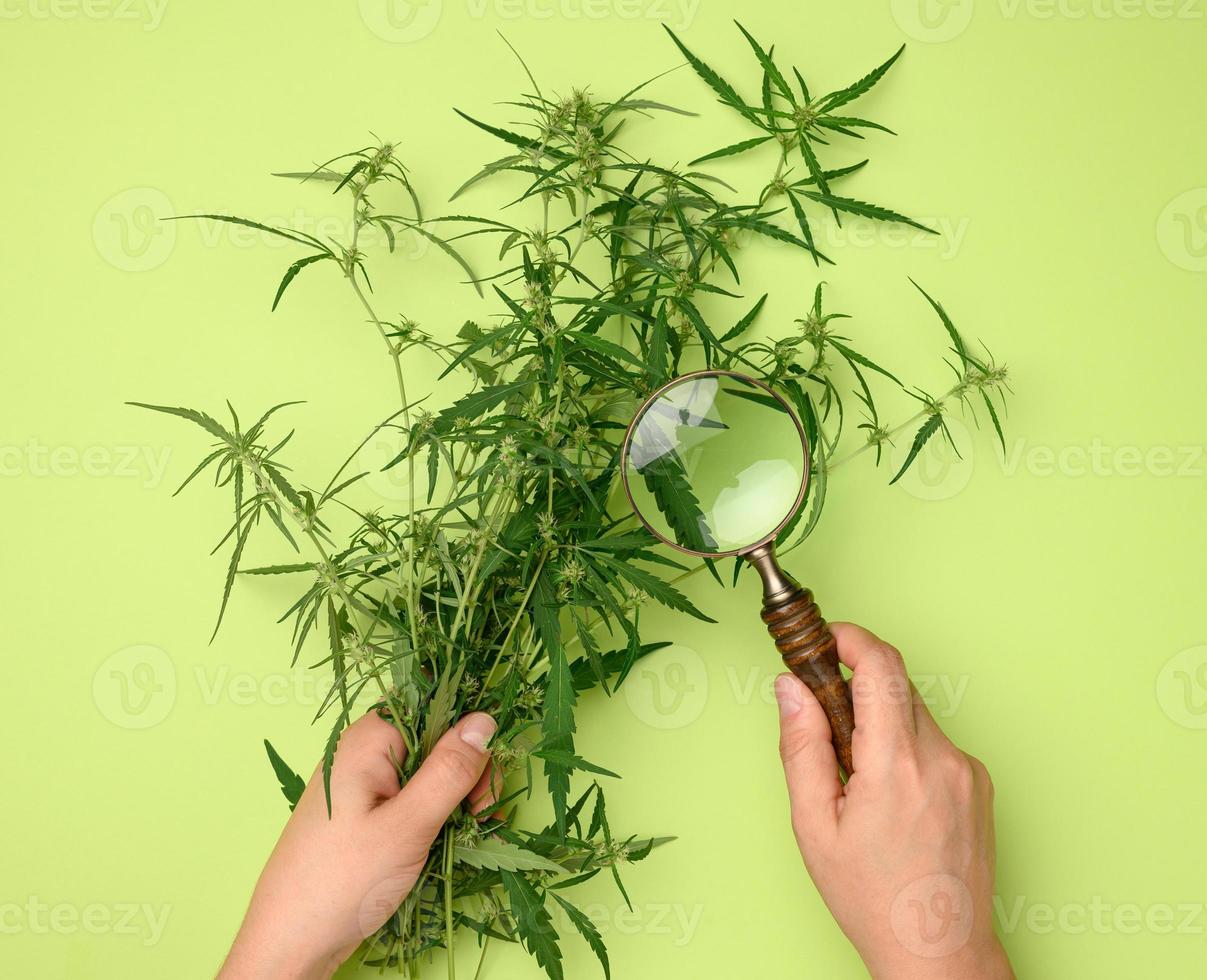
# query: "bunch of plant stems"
{"points": [[513, 578]]}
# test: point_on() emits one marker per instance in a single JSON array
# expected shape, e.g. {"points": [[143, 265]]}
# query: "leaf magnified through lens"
{"points": [[715, 464]]}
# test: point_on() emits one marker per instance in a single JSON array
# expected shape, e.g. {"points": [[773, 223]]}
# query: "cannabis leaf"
{"points": [[533, 923], [292, 785], [499, 855]]}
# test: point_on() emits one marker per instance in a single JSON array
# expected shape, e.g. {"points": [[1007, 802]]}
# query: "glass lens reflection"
{"points": [[715, 464]]}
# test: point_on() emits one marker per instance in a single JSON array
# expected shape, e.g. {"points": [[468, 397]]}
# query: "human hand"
{"points": [[903, 854], [330, 882]]}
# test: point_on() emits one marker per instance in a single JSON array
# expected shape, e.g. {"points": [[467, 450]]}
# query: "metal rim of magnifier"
{"points": [[640, 413]]}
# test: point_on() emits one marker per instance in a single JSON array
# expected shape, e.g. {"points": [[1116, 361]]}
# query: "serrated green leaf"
{"points": [[957, 342], [441, 707], [200, 418], [666, 479], [451, 252], [849, 94], [473, 406], [655, 587], [586, 929], [533, 923], [293, 270], [802, 219], [865, 210], [557, 722], [743, 324], [292, 785], [714, 81], [732, 150], [300, 237], [572, 762], [771, 71], [601, 346], [932, 425], [509, 137], [640, 104], [997, 425], [853, 355], [499, 855]]}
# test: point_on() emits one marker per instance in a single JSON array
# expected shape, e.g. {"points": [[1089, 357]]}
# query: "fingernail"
{"points": [[476, 730], [787, 693]]}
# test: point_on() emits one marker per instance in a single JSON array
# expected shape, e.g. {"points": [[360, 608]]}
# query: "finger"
{"points": [[810, 765], [366, 761], [924, 722], [486, 792], [445, 778], [983, 787], [880, 692]]}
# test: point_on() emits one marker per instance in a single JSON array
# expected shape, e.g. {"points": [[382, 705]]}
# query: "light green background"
{"points": [[1058, 593]]}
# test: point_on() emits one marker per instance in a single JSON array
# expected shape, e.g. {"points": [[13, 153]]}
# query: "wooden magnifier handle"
{"points": [[807, 646]]}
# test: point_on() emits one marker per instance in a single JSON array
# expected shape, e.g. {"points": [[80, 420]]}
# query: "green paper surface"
{"points": [[1049, 602]]}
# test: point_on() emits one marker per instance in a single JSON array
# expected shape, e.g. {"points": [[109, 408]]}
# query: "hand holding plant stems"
{"points": [[332, 880], [514, 577]]}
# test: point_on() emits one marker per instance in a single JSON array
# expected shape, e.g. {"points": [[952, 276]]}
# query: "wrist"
{"points": [[252, 959], [985, 960]]}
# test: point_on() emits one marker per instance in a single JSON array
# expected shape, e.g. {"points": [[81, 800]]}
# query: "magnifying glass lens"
{"points": [[715, 464]]}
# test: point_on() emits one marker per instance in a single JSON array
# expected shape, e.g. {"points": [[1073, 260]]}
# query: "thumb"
{"points": [[810, 765], [445, 778]]}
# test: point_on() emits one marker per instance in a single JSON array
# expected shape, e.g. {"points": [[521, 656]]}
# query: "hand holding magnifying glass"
{"points": [[716, 464]]}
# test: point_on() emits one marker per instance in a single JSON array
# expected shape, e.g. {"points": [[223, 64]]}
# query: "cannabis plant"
{"points": [[513, 579]]}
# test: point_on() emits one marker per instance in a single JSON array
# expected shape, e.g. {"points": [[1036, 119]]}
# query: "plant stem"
{"points": [[395, 351], [448, 903], [511, 629]]}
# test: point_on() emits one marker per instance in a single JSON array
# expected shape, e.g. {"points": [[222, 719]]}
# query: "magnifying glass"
{"points": [[716, 464]]}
